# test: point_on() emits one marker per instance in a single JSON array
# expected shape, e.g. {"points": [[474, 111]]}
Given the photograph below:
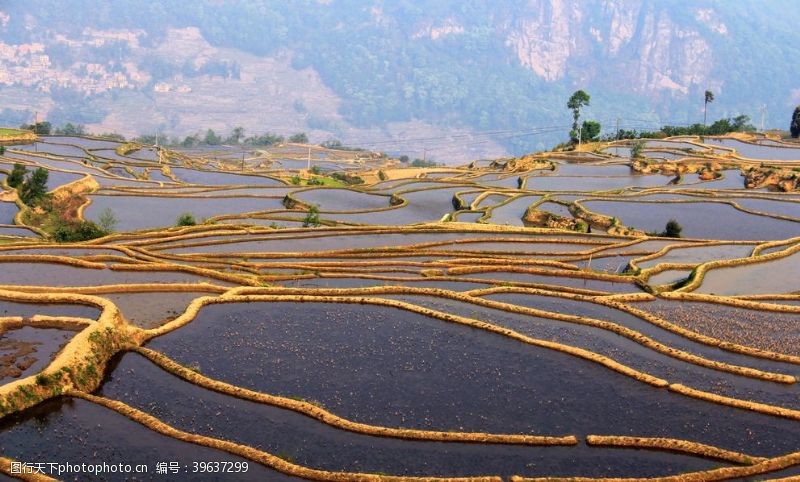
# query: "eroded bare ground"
{"points": [[507, 320]]}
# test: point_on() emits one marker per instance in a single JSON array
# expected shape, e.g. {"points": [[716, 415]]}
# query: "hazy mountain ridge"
{"points": [[366, 70]]}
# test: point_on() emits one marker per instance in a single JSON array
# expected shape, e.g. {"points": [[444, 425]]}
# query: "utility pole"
{"points": [[618, 119], [242, 161], [308, 167], [424, 155], [763, 116], [35, 121]]}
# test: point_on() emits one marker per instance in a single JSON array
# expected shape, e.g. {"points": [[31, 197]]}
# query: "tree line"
{"points": [[236, 137], [589, 131]]}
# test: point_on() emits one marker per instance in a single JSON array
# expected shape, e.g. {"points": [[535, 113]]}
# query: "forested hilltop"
{"points": [[366, 71]]}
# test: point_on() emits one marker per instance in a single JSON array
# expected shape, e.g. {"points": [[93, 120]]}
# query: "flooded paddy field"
{"points": [[7, 212], [29, 310], [777, 276], [731, 223], [604, 318], [511, 212], [756, 151], [696, 255], [51, 274], [774, 331], [140, 212], [370, 367], [28, 350], [311, 443], [65, 429]]}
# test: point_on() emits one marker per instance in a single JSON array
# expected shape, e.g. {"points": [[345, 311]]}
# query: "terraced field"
{"points": [[507, 320]]}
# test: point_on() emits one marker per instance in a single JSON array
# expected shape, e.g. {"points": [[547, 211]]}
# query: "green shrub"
{"points": [[312, 218], [636, 150], [351, 178], [80, 231], [672, 229], [17, 176], [185, 219]]}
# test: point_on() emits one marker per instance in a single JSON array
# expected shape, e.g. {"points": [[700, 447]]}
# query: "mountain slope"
{"points": [[368, 70]]}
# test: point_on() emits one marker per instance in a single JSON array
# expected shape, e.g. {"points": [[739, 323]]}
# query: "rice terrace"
{"points": [[400, 241], [513, 319]]}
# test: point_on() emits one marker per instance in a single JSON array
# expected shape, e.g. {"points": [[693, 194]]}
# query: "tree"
{"points": [[212, 139], [40, 128], [185, 219], [672, 229], [423, 163], [34, 189], [636, 149], [404, 159], [237, 134], [71, 129], [576, 102], [795, 126], [191, 141], [332, 144], [17, 175], [590, 131], [264, 140], [149, 139], [113, 136], [43, 128], [741, 123], [107, 220], [312, 217], [299, 138], [2, 150], [709, 98]]}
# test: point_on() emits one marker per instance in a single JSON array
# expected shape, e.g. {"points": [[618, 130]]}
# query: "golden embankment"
{"points": [[675, 445]]}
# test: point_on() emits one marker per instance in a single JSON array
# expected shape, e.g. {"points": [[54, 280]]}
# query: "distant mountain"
{"points": [[465, 79]]}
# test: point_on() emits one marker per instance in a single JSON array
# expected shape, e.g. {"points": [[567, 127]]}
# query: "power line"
{"points": [[452, 137], [484, 137]]}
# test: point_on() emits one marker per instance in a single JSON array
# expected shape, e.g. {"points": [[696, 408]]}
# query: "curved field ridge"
{"points": [[673, 445]]}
